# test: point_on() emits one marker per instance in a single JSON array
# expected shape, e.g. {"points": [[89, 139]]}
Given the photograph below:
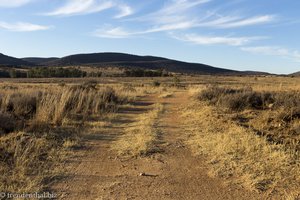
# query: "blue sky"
{"points": [[237, 34]]}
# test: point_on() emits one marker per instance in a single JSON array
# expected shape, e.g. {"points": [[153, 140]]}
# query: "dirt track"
{"points": [[174, 173]]}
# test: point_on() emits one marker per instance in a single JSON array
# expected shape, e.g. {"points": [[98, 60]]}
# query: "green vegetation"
{"points": [[145, 73], [53, 72]]}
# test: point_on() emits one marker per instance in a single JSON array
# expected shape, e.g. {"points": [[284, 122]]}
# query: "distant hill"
{"points": [[295, 74], [122, 60], [134, 61], [95, 58], [38, 61], [11, 61]]}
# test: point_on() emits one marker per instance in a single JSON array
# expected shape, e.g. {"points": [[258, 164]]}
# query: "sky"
{"points": [[260, 35]]}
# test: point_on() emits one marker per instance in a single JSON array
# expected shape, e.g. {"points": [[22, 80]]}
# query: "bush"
{"points": [[7, 123], [236, 99], [21, 105], [155, 83], [290, 101]]}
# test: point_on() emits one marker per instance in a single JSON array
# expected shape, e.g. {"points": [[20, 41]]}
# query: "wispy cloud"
{"points": [[178, 11], [119, 32], [13, 3], [214, 40], [80, 7], [23, 27], [180, 15], [224, 22], [173, 11], [113, 33], [274, 51], [178, 6], [83, 7], [248, 21], [125, 11]]}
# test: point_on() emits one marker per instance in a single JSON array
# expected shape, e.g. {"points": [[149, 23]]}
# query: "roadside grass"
{"points": [[238, 153], [140, 137], [41, 126], [166, 95]]}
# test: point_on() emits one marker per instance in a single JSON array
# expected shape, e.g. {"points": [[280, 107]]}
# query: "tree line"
{"points": [[145, 73], [60, 72]]}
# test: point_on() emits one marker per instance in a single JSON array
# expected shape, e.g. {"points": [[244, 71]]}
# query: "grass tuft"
{"points": [[141, 136]]}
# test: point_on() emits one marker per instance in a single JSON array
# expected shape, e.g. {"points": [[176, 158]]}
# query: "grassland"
{"points": [[250, 133], [247, 127], [40, 124]]}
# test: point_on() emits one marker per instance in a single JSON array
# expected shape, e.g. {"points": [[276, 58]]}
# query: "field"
{"points": [[185, 137]]}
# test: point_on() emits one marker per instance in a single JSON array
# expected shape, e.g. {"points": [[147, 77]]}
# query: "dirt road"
{"points": [[173, 173]]}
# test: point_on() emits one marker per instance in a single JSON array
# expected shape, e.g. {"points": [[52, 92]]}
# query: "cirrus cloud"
{"points": [[83, 7], [23, 27], [215, 40], [13, 3], [274, 51]]}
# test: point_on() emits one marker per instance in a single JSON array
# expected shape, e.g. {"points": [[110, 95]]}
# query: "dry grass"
{"points": [[166, 95], [275, 115], [27, 161], [239, 152], [74, 101], [39, 126], [141, 136]]}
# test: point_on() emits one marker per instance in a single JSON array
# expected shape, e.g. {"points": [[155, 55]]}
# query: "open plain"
{"points": [[152, 138]]}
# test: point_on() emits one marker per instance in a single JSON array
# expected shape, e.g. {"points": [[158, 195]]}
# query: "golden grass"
{"points": [[45, 127], [235, 151], [166, 95], [46, 121], [26, 161], [141, 136]]}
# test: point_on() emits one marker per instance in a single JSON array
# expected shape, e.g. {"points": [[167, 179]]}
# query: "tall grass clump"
{"points": [[33, 136], [76, 100], [26, 161]]}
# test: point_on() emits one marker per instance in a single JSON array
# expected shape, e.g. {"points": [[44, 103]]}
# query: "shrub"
{"points": [[236, 99], [89, 84], [7, 123], [290, 101], [19, 104], [243, 100], [213, 93], [156, 83], [176, 81]]}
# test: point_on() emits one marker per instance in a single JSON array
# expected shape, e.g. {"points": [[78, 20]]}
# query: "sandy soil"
{"points": [[174, 173]]}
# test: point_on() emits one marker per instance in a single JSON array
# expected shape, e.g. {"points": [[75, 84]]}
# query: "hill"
{"points": [[38, 61], [134, 61], [11, 61], [121, 60], [295, 74]]}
